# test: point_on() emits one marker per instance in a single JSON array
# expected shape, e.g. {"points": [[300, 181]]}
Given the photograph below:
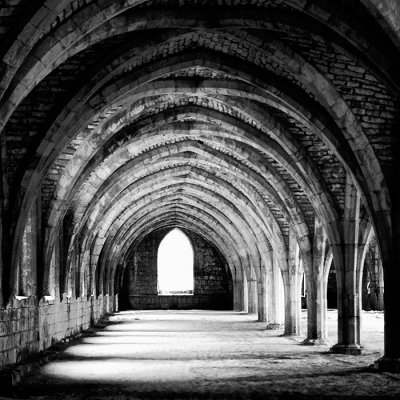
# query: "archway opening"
{"points": [[175, 265], [331, 290]]}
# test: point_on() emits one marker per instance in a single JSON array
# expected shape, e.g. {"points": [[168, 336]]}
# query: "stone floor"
{"points": [[206, 355]]}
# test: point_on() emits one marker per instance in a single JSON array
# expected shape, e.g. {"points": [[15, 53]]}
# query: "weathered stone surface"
{"points": [[267, 128]]}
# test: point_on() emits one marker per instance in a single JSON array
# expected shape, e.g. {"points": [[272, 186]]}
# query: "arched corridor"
{"points": [[267, 132]]}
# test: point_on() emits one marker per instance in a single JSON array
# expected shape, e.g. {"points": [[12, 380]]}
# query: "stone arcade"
{"points": [[267, 131]]}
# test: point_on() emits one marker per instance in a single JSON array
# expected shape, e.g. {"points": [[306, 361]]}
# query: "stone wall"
{"points": [[212, 280], [28, 326]]}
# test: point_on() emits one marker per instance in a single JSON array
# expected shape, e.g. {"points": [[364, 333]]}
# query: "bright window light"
{"points": [[175, 264]]}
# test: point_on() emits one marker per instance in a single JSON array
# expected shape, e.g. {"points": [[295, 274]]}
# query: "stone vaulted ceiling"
{"points": [[241, 120]]}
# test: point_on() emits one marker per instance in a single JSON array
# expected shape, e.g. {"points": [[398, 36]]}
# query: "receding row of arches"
{"points": [[175, 273], [267, 132]]}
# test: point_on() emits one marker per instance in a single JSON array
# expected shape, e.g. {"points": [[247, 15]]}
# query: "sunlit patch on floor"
{"points": [[209, 354]]}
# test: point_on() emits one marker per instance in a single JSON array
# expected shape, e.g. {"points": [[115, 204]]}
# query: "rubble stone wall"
{"points": [[28, 326]]}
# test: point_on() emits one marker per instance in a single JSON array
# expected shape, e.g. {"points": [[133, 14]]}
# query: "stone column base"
{"points": [[351, 349], [274, 327], [387, 364], [314, 342]]}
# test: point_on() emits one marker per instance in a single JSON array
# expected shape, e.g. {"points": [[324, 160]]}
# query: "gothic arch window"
{"points": [[175, 264]]}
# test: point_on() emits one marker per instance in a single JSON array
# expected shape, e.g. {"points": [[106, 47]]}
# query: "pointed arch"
{"points": [[175, 264]]}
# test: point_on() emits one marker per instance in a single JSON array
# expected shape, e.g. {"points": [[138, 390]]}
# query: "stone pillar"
{"points": [[239, 290], [291, 280], [252, 292], [292, 303], [51, 285], [106, 303], [316, 290], [116, 303], [391, 359], [57, 291], [390, 254], [345, 258], [238, 295], [245, 304], [252, 296], [93, 318], [26, 282], [274, 295], [316, 311], [262, 300]]}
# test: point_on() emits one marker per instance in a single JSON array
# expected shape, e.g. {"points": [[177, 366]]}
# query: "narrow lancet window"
{"points": [[175, 264]]}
